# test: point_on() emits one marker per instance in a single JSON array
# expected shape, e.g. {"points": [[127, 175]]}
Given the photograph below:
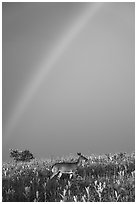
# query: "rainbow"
{"points": [[46, 66]]}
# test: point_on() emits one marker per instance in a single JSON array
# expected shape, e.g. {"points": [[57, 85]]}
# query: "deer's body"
{"points": [[67, 167]]}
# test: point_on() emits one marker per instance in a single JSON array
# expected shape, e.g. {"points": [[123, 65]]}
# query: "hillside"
{"points": [[105, 178]]}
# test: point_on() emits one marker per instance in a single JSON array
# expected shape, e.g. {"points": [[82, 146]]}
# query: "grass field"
{"points": [[104, 178]]}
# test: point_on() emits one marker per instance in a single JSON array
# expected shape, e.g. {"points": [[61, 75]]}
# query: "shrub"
{"points": [[24, 156]]}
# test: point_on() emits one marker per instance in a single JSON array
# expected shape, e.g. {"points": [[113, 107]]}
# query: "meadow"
{"points": [[103, 178]]}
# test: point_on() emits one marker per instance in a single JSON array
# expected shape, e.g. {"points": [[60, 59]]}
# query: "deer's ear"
{"points": [[78, 153]]}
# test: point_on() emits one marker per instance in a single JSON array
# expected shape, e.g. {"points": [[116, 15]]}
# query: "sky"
{"points": [[68, 77]]}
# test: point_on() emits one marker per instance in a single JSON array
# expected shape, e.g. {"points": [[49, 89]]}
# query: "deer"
{"points": [[67, 167]]}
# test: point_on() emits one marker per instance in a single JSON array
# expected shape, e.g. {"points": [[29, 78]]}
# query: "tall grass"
{"points": [[105, 178]]}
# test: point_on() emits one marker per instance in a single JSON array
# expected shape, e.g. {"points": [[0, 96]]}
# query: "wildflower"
{"points": [[104, 184], [117, 196], [69, 184], [83, 198], [5, 173], [75, 198], [133, 173], [118, 182], [95, 182], [27, 189], [87, 190], [37, 194]]}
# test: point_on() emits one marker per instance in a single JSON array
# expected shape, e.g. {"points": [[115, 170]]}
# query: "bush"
{"points": [[24, 156]]}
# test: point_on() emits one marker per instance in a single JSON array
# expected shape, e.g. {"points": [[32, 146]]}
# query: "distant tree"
{"points": [[18, 155]]}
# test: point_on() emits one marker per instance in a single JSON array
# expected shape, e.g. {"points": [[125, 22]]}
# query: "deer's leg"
{"points": [[54, 174], [60, 174], [71, 174]]}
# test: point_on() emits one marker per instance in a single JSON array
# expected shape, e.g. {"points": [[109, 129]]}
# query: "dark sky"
{"points": [[68, 78]]}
